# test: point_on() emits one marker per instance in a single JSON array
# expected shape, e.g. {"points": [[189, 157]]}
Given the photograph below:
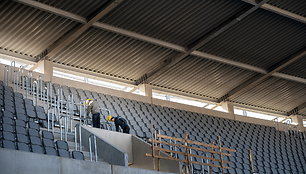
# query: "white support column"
{"points": [[45, 67], [297, 119], [146, 89], [229, 107]]}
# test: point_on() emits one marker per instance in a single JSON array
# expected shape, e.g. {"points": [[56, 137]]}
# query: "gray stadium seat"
{"points": [[35, 140], [51, 151], [21, 138], [63, 153], [77, 155], [34, 132], [37, 149], [23, 147], [8, 144], [60, 144], [48, 142], [48, 135]]}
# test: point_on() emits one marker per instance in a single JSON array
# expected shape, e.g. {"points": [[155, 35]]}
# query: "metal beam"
{"points": [[148, 77], [155, 41], [259, 78], [297, 109], [279, 11], [69, 37], [53, 10]]}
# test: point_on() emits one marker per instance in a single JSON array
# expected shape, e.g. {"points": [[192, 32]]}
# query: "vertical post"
{"points": [[48, 121], [212, 155], [80, 136], [12, 70], [90, 150], [187, 156], [220, 150], [251, 160], [96, 150], [158, 159], [75, 137], [153, 150]]}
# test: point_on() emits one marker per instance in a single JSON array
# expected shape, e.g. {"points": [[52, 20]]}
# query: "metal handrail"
{"points": [[95, 147], [34, 92], [80, 137]]}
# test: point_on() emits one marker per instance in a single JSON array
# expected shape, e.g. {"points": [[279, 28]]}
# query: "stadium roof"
{"points": [[252, 53]]}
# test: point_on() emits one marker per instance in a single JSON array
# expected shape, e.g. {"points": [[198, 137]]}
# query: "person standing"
{"points": [[93, 108], [120, 122]]}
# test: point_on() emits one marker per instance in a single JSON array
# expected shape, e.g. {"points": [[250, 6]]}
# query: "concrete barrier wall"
{"points": [[106, 151], [18, 162], [134, 147], [140, 148], [124, 170], [121, 141]]}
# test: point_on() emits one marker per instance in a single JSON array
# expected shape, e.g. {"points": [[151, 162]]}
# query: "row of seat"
{"points": [[272, 149], [19, 128]]}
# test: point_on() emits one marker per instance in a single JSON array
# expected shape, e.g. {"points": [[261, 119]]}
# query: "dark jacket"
{"points": [[119, 121]]}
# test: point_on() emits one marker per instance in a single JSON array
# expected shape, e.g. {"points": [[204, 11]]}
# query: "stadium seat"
{"points": [[21, 138], [48, 142], [23, 147], [37, 149], [60, 144], [8, 144], [51, 151], [48, 135], [77, 155], [35, 141], [63, 153]]}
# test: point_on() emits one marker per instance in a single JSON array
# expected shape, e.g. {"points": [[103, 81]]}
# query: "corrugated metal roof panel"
{"points": [[294, 6], [113, 54], [262, 39], [297, 68], [83, 8], [28, 30], [275, 93], [176, 21], [203, 77]]}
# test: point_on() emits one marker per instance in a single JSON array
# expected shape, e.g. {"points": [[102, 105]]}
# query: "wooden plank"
{"points": [[171, 151], [194, 148], [195, 142], [163, 157], [213, 159], [212, 165]]}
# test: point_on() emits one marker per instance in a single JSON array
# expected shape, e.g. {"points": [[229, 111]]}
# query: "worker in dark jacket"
{"points": [[93, 108], [119, 121]]}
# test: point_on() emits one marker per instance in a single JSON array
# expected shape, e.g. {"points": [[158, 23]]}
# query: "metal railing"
{"points": [[93, 138]]}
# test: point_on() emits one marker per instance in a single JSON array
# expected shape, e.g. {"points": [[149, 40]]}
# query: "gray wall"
{"points": [[119, 140], [140, 148], [18, 162], [106, 151], [125, 170], [112, 145]]}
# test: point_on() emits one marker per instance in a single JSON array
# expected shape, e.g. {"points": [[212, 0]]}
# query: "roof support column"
{"points": [[45, 67], [298, 119], [229, 107], [146, 89]]}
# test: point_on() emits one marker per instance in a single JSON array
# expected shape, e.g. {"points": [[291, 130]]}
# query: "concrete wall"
{"points": [[132, 146], [18, 162], [140, 148], [106, 151], [124, 170], [121, 141]]}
